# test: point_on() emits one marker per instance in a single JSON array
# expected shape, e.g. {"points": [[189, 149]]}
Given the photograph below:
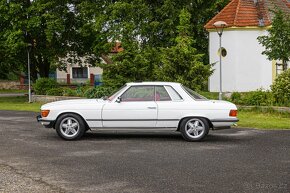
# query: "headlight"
{"points": [[44, 113]]}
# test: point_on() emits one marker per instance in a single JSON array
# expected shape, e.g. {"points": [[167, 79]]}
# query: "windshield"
{"points": [[194, 94], [116, 93]]}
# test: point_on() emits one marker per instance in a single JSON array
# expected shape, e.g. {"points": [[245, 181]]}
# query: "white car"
{"points": [[141, 105]]}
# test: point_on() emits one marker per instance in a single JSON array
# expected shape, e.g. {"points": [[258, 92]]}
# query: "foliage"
{"points": [[146, 29], [81, 90], [281, 88], [69, 92], [209, 95], [44, 84], [277, 43], [130, 65], [181, 62], [57, 29], [55, 92], [49, 27], [257, 98], [99, 92], [236, 97]]}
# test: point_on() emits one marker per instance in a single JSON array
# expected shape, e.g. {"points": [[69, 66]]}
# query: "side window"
{"points": [[173, 94], [161, 94], [139, 93]]}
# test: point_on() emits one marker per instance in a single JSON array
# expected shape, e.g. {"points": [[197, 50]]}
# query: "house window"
{"points": [[80, 72]]}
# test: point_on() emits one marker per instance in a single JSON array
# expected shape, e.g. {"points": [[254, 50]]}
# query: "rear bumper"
{"points": [[223, 123], [45, 123]]}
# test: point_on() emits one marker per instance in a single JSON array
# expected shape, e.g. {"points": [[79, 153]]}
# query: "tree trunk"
{"points": [[284, 63], [43, 67]]}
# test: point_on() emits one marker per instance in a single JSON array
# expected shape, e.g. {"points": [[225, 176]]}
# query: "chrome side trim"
{"points": [[225, 120]]}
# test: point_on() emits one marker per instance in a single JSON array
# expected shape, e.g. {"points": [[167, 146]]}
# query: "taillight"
{"points": [[233, 113], [44, 113]]}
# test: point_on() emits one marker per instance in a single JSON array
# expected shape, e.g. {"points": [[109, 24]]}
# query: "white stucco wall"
{"points": [[61, 75], [244, 68]]}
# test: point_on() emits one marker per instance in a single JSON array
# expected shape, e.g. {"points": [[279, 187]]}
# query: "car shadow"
{"points": [[168, 136], [161, 136]]}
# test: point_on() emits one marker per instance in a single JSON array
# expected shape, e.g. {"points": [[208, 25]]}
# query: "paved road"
{"points": [[34, 159]]}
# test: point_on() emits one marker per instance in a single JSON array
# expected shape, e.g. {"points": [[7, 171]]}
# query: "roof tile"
{"points": [[242, 13]]}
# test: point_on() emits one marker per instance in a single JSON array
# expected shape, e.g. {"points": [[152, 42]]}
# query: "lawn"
{"points": [[248, 118], [263, 120], [18, 104]]}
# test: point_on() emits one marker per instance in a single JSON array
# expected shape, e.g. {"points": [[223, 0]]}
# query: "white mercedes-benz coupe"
{"points": [[141, 106]]}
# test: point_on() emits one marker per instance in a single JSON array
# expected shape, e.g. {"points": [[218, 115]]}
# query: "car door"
{"points": [[136, 108], [169, 104]]}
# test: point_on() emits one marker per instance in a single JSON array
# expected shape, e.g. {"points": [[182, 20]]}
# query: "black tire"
{"points": [[201, 134], [75, 119]]}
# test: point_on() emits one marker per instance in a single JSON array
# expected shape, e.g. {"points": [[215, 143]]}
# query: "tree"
{"points": [[75, 28], [149, 27], [277, 42], [181, 62], [51, 28]]}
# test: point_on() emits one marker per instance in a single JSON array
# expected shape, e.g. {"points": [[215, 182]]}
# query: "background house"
{"points": [[244, 68], [82, 74]]}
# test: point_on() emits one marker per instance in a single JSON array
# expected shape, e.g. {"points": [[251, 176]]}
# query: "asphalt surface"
{"points": [[35, 159]]}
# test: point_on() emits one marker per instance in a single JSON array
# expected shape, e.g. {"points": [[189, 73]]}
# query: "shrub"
{"points": [[98, 92], [42, 85], [81, 90], [236, 97], [258, 98], [281, 88], [69, 92], [55, 92]]}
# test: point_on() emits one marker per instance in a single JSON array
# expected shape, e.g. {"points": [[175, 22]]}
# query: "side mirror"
{"points": [[119, 99], [105, 97]]}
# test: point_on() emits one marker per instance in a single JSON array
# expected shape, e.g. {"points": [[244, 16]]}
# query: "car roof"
{"points": [[152, 83]]}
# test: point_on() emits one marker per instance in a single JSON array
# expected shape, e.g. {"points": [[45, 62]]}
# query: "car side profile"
{"points": [[141, 106]]}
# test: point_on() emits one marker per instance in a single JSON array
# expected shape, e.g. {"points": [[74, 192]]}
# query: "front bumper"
{"points": [[45, 123]]}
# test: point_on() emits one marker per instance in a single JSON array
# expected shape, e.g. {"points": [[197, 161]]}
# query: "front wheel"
{"points": [[194, 129], [70, 126]]}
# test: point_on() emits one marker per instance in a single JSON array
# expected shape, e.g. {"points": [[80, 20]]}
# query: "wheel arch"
{"points": [[192, 116], [71, 112]]}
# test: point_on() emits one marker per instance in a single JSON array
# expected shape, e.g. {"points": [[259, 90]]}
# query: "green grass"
{"points": [[263, 120], [4, 91], [260, 119], [18, 104]]}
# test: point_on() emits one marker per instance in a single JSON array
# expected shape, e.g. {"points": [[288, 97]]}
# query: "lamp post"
{"points": [[28, 71], [219, 26]]}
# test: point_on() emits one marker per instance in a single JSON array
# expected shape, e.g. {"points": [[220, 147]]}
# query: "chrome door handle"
{"points": [[151, 107]]}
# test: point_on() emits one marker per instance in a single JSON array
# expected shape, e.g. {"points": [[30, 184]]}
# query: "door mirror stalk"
{"points": [[119, 99]]}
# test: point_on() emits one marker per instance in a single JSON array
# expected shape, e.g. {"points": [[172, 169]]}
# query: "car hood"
{"points": [[72, 102]]}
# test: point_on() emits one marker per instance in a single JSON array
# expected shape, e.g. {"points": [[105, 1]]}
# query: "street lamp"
{"points": [[28, 67], [219, 26]]}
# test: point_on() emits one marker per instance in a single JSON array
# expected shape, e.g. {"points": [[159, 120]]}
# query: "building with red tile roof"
{"points": [[244, 68], [245, 13]]}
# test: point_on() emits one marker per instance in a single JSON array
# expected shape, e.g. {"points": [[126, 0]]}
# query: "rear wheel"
{"points": [[70, 126], [194, 129]]}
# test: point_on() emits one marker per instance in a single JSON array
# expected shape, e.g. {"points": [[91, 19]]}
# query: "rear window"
{"points": [[194, 94]]}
